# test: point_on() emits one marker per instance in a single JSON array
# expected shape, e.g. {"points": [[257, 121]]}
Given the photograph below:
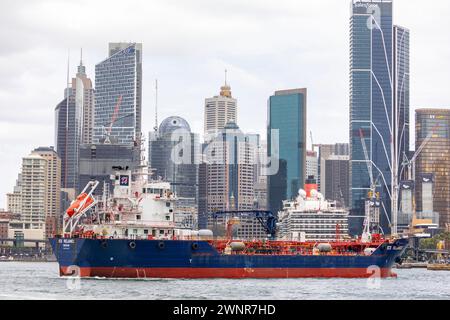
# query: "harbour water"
{"points": [[32, 280]]}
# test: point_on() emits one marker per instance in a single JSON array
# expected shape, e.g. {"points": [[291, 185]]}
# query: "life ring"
{"points": [[195, 246], [161, 245]]}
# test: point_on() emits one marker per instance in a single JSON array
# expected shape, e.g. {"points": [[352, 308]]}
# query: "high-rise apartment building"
{"points": [[434, 160], [379, 103], [118, 95], [14, 199], [53, 218], [219, 110], [34, 191], [286, 142]]}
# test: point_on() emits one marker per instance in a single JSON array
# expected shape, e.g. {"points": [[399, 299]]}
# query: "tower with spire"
{"points": [[219, 110]]}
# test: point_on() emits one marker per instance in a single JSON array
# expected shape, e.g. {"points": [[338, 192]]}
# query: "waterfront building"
{"points": [[118, 95], [433, 163], [287, 121], [379, 102], [53, 218], [34, 191], [173, 157], [219, 110], [14, 199]]}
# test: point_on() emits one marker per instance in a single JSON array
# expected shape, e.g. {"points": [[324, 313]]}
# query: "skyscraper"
{"points": [[53, 189], [68, 134], [219, 110], [379, 105], [287, 121], [34, 187], [335, 175], [173, 152], [84, 99], [118, 95], [226, 176], [434, 160], [325, 151], [401, 91]]}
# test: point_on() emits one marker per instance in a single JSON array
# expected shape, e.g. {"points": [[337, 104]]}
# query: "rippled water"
{"points": [[29, 280]]}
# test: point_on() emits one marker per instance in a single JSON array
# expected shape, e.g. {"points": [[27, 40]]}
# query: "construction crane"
{"points": [[114, 119], [411, 163], [372, 206]]}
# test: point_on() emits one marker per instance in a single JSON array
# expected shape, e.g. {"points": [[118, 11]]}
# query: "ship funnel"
{"points": [[311, 185]]}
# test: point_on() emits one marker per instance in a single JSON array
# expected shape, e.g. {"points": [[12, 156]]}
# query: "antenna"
{"points": [[156, 106], [81, 57], [225, 77]]}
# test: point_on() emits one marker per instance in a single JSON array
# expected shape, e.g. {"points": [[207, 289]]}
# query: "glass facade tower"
{"points": [[119, 79], [287, 114], [434, 160], [371, 101]]}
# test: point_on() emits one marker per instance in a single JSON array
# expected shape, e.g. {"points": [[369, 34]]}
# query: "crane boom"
{"points": [[114, 115]]}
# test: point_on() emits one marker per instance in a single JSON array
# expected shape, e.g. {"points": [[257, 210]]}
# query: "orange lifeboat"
{"points": [[76, 204]]}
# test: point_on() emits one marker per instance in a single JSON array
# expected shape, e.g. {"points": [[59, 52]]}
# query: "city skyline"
{"points": [[255, 70]]}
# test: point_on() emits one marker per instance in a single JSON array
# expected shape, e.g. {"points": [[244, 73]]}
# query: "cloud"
{"points": [[265, 45]]}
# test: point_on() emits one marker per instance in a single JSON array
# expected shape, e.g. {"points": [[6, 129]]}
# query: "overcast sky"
{"points": [[187, 44]]}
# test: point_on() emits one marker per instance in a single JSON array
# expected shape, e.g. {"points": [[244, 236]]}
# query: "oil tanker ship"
{"points": [[132, 234]]}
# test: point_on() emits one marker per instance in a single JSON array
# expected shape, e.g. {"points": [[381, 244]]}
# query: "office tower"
{"points": [[325, 151], [434, 161], [401, 92], [335, 181], [312, 165], [287, 121], [173, 152], [226, 176], [98, 160], [34, 187], [219, 110], [73, 125], [118, 95], [53, 219], [68, 117], [379, 106], [83, 91]]}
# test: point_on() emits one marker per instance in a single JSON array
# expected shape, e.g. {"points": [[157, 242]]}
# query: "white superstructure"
{"points": [[312, 218]]}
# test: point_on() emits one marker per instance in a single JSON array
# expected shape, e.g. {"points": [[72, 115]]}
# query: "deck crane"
{"points": [[266, 219]]}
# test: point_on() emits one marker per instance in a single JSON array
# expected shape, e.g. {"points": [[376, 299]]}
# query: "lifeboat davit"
{"points": [[75, 206]]}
